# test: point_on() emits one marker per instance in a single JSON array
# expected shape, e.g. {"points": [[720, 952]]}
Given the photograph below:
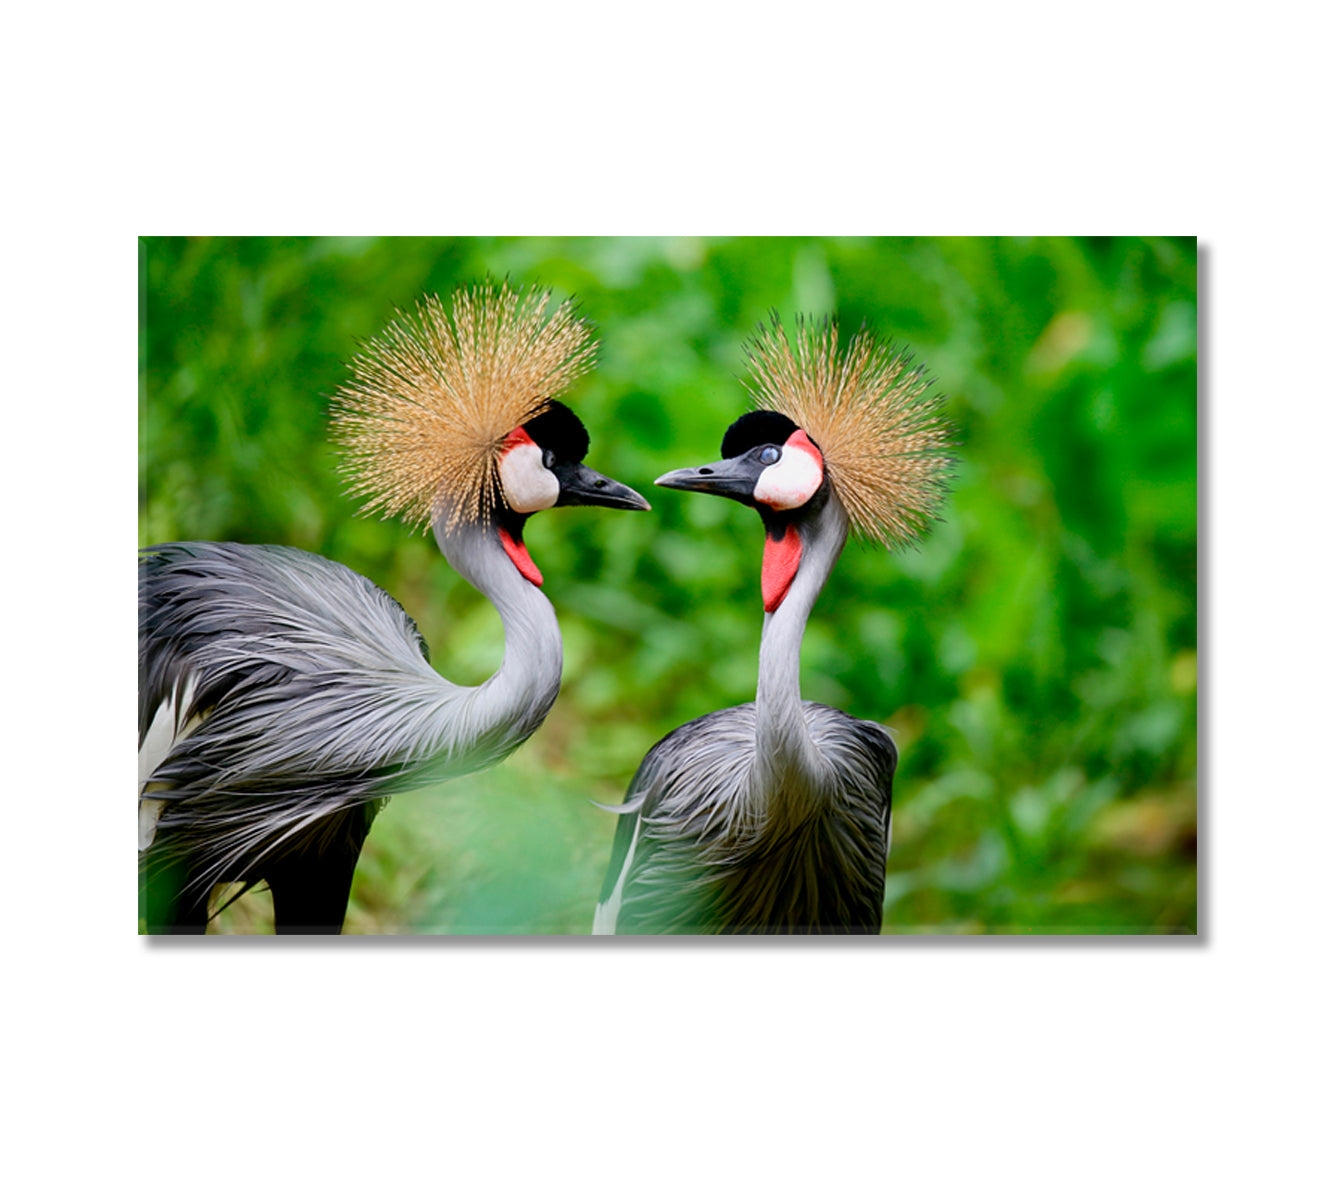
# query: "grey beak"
{"points": [[583, 486], [732, 478]]}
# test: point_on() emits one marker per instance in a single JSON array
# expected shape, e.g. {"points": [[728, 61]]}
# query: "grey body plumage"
{"points": [[775, 817], [284, 696], [771, 817], [316, 696], [702, 865]]}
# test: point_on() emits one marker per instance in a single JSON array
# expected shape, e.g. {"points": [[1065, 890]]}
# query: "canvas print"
{"points": [[667, 586]]}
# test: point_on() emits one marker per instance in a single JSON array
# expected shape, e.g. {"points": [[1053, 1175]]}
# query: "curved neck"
{"points": [[790, 775], [505, 710]]}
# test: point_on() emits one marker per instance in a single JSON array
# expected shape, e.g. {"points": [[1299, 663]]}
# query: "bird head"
{"points": [[768, 463], [449, 419], [855, 427], [773, 466], [541, 466]]}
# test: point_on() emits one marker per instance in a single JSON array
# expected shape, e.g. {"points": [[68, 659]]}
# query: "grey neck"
{"points": [[509, 706], [791, 778]]}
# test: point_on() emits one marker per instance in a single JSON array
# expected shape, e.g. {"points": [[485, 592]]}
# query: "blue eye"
{"points": [[769, 455]]}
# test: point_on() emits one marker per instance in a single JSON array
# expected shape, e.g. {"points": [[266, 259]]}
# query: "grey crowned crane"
{"points": [[774, 817], [284, 697]]}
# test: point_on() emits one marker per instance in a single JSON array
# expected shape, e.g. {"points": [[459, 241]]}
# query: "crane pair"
{"points": [[283, 697]]}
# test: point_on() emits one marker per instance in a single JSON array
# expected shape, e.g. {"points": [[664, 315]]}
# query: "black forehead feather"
{"points": [[760, 428], [559, 431]]}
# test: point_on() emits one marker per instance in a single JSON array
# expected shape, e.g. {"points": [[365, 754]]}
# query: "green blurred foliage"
{"points": [[1035, 657]]}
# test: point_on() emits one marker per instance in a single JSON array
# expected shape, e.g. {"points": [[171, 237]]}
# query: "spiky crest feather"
{"points": [[424, 418], [884, 439]]}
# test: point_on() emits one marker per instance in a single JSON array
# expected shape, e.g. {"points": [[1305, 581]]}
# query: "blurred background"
{"points": [[1035, 657]]}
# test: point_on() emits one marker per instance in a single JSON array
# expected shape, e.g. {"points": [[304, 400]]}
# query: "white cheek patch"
{"points": [[529, 486], [794, 478]]}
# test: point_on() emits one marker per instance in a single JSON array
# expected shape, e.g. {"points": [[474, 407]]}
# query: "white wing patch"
{"points": [[604, 916], [529, 486], [163, 733], [791, 481]]}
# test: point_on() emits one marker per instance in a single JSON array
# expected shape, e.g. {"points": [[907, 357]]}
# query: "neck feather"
{"points": [[505, 710], [790, 777]]}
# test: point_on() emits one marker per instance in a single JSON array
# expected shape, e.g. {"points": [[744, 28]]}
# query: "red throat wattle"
{"points": [[520, 557], [781, 560]]}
